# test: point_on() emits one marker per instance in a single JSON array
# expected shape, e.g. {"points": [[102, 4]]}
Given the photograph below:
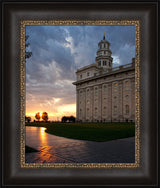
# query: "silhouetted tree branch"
{"points": [[28, 54]]}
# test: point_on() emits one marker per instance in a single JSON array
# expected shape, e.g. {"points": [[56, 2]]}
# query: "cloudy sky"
{"points": [[57, 52]]}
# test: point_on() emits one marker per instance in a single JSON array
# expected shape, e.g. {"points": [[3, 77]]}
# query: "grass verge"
{"points": [[29, 149], [89, 131]]}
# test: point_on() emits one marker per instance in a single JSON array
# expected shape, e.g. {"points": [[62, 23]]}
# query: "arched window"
{"points": [[81, 93], [104, 110], [105, 88], [127, 96], [95, 102], [88, 92], [115, 109], [127, 109], [96, 91], [87, 111], [96, 111], [80, 112], [115, 87], [127, 85], [104, 62], [127, 82]]}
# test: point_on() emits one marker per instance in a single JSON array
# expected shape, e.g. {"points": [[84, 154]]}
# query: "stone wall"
{"points": [[106, 99]]}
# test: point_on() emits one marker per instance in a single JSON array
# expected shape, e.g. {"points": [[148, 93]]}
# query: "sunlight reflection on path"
{"points": [[56, 149], [36, 136]]}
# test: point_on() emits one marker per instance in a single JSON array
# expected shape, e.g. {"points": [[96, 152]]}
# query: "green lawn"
{"points": [[89, 131]]}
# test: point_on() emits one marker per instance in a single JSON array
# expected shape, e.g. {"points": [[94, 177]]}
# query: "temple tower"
{"points": [[104, 58]]}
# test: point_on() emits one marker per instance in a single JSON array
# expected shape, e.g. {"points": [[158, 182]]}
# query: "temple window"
{"points": [[96, 91], [88, 92], [127, 96], [105, 88], [95, 111], [80, 112], [104, 62], [127, 82], [87, 111], [127, 85], [115, 87], [115, 109], [81, 93], [127, 109]]}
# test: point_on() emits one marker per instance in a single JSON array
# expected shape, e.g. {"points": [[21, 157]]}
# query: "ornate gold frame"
{"points": [[23, 23]]}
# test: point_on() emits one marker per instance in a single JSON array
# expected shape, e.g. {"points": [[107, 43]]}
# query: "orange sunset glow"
{"points": [[53, 114]]}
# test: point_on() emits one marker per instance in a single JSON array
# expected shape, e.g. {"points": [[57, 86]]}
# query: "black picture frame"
{"points": [[13, 13]]}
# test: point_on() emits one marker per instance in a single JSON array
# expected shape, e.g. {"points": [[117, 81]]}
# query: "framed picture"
{"points": [[81, 94]]}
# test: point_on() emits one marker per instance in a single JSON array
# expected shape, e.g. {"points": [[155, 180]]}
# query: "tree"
{"points": [[72, 119], [64, 119], [27, 119], [28, 54], [37, 116], [68, 118], [45, 116]]}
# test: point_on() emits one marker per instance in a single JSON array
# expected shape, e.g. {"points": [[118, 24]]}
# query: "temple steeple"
{"points": [[103, 35], [104, 58]]}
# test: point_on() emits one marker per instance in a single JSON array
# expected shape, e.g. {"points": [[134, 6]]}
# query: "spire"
{"points": [[103, 35], [104, 58]]}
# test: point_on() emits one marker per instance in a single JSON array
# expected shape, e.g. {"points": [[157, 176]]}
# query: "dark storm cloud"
{"points": [[59, 50]]}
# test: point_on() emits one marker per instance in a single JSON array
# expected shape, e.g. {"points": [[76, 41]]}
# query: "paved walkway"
{"points": [[55, 149]]}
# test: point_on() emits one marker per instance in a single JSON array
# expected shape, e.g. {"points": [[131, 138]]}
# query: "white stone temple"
{"points": [[104, 93]]}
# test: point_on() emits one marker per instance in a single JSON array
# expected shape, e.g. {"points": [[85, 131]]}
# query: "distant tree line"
{"points": [[68, 119], [45, 118]]}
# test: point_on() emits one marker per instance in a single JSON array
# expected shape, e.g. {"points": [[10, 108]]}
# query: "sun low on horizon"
{"points": [[57, 53], [67, 110]]}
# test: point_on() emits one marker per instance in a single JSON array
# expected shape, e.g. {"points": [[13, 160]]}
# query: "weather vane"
{"points": [[103, 35]]}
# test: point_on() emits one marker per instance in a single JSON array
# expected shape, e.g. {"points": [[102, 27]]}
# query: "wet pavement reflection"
{"points": [[55, 149]]}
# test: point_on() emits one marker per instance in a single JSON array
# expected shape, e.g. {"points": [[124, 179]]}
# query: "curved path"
{"points": [[55, 149]]}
